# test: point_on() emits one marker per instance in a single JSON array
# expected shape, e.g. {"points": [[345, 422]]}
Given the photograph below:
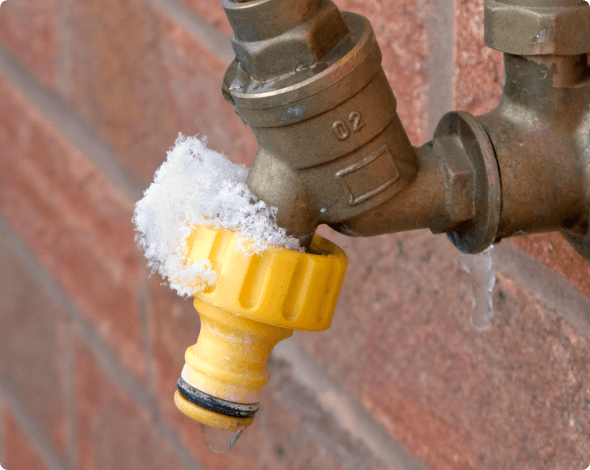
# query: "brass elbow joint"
{"points": [[331, 145], [332, 149]]}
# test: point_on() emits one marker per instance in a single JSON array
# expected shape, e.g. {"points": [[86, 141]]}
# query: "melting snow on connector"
{"points": [[198, 186], [483, 281]]}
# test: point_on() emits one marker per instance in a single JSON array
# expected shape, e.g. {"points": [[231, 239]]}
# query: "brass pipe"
{"points": [[540, 134], [332, 148], [420, 205]]}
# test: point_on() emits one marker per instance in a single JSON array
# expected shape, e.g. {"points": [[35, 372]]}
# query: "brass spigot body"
{"points": [[332, 149], [308, 81]]}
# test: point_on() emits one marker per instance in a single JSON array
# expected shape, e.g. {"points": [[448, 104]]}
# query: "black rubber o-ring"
{"points": [[217, 405]]}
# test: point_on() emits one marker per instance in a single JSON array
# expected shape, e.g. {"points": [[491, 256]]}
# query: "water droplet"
{"points": [[483, 281], [218, 440]]}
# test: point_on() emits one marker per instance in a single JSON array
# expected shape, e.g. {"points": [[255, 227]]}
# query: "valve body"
{"points": [[331, 145]]}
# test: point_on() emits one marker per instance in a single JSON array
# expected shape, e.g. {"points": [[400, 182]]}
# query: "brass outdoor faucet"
{"points": [[308, 80], [332, 150]]}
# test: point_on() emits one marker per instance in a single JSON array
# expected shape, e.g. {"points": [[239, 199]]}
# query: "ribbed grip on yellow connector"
{"points": [[280, 287], [258, 300]]}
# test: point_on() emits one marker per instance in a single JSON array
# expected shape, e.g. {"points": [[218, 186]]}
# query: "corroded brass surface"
{"points": [[531, 27], [541, 136], [332, 149]]}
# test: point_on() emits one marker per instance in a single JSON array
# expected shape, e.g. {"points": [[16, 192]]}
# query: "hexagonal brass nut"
{"points": [[459, 180], [542, 27], [276, 37]]}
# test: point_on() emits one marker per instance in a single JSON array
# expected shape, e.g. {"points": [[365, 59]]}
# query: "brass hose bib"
{"points": [[331, 126], [332, 150]]}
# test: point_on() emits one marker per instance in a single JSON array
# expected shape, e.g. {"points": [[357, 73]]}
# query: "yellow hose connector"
{"points": [[258, 301]]}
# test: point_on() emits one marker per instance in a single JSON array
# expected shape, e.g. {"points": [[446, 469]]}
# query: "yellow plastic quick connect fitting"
{"points": [[258, 301]]}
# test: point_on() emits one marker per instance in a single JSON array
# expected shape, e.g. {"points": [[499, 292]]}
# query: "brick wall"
{"points": [[92, 94]]}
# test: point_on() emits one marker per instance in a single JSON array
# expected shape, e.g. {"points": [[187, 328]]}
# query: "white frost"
{"points": [[196, 185]]}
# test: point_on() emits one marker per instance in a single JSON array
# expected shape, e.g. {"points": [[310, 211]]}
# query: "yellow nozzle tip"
{"points": [[210, 418]]}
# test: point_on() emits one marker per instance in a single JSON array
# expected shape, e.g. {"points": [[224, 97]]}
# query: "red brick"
{"points": [[175, 325], [2, 430], [32, 333], [76, 224], [553, 250], [290, 431], [20, 451], [479, 70], [114, 432], [401, 36], [138, 80], [116, 80], [515, 396], [30, 30], [193, 78], [212, 13]]}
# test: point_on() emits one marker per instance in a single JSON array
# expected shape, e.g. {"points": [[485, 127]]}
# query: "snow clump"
{"points": [[198, 186]]}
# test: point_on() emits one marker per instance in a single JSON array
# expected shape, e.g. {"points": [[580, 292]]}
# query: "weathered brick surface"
{"points": [[20, 453], [115, 79], [479, 70], [114, 432], [32, 360], [2, 428], [192, 78], [30, 30], [401, 36], [77, 225], [138, 80], [515, 396], [290, 431], [553, 250], [212, 13], [175, 326]]}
